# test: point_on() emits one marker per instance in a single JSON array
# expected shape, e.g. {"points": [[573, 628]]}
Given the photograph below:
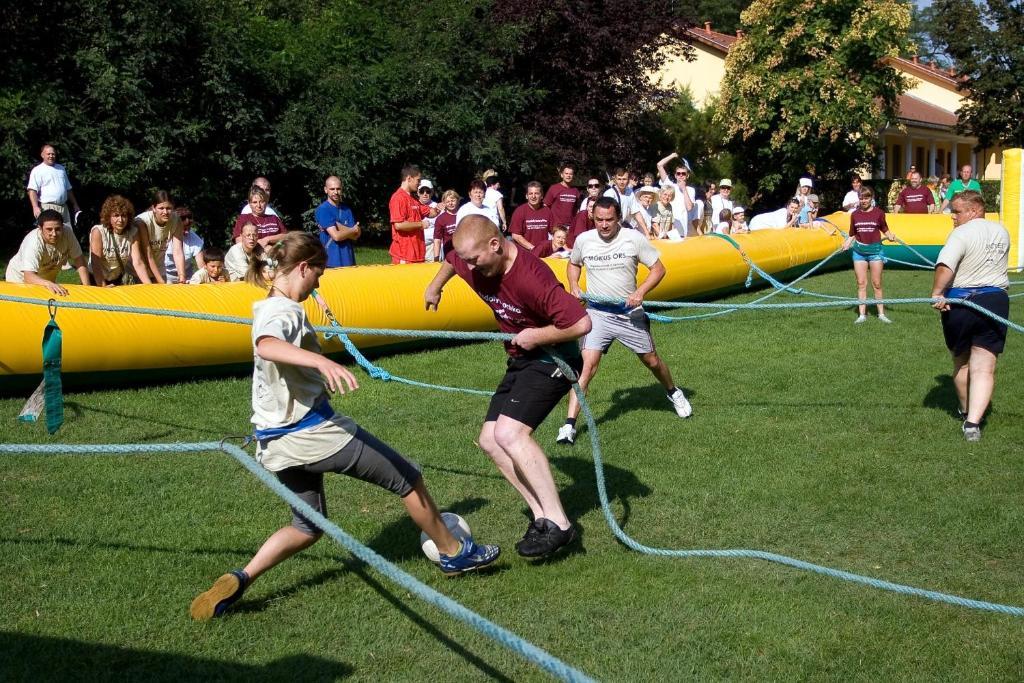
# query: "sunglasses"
{"points": [[425, 191], [593, 184], [682, 173]]}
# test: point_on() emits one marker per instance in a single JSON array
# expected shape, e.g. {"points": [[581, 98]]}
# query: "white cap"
{"points": [[426, 183], [806, 182], [648, 189], [738, 209]]}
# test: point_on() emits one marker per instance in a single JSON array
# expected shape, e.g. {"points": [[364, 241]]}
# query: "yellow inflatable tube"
{"points": [[111, 346]]}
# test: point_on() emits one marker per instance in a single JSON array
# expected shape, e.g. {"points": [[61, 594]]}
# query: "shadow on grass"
{"points": [[400, 540], [76, 410], [581, 496], [942, 396], [651, 397], [34, 658], [403, 606]]}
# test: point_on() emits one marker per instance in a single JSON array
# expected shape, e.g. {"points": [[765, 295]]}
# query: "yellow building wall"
{"points": [[703, 76], [934, 94]]}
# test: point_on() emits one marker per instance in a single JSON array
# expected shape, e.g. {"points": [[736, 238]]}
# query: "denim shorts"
{"points": [[868, 258]]}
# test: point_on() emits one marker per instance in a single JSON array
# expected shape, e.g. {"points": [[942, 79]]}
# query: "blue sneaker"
{"points": [[469, 558], [225, 592]]}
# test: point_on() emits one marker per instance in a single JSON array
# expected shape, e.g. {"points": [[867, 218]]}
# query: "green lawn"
{"points": [[811, 437]]}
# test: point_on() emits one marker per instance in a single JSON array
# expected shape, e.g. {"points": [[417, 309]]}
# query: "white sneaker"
{"points": [[679, 402], [883, 318], [566, 434], [860, 319]]}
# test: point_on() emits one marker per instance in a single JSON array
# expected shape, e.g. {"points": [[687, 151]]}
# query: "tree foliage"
{"points": [[588, 63], [724, 15], [199, 96], [984, 40], [808, 85]]}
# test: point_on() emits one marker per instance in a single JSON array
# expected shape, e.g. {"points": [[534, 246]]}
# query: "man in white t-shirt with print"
{"points": [[633, 215], [612, 255]]}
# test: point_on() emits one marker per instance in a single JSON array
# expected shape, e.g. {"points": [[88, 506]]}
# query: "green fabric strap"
{"points": [[872, 249], [53, 394]]}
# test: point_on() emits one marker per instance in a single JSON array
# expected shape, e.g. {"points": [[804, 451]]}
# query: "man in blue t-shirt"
{"points": [[338, 227]]}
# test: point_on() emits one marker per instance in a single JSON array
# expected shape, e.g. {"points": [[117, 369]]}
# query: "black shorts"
{"points": [[530, 390], [964, 327], [364, 457]]}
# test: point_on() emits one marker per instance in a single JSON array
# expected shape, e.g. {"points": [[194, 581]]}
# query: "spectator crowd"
{"points": [[160, 243]]}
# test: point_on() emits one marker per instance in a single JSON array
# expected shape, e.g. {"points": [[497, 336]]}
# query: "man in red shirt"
{"points": [[915, 198], [529, 302], [407, 216], [531, 222], [561, 197]]}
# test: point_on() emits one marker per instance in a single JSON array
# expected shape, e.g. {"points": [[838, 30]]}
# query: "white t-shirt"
{"points": [[772, 219], [43, 259], [679, 204], [977, 253], [192, 245], [236, 263], [202, 277], [469, 209], [50, 183], [612, 266], [117, 250], [492, 198], [718, 203], [160, 235], [851, 197], [282, 394]]}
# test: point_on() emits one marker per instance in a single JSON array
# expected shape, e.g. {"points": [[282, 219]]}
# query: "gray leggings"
{"points": [[365, 457]]}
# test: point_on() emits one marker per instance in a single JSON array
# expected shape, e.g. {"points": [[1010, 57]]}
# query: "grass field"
{"points": [[811, 437]]}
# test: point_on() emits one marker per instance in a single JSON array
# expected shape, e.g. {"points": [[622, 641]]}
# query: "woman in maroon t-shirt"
{"points": [[444, 224], [867, 227], [269, 229]]}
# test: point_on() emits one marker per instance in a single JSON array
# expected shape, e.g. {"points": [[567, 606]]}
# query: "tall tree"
{"points": [[589, 62], [807, 84], [984, 40]]}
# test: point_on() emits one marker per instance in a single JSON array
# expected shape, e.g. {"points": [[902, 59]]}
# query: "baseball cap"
{"points": [[806, 182], [427, 184], [738, 209], [647, 189], [725, 182]]}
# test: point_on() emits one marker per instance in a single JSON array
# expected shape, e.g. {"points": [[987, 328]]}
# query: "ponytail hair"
{"points": [[283, 256]]}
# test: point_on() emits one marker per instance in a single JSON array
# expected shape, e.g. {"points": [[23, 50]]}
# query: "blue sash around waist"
{"points": [[320, 412], [968, 292], [621, 309]]}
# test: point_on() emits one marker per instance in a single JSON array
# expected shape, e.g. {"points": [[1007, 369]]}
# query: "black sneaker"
{"points": [[533, 532], [225, 592], [546, 539]]}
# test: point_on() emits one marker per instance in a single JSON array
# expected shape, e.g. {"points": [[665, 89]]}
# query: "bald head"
{"points": [[475, 230], [478, 243]]}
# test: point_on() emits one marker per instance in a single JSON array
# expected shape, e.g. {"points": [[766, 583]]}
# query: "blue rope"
{"points": [[598, 463], [629, 542], [915, 252], [376, 371], [523, 648]]}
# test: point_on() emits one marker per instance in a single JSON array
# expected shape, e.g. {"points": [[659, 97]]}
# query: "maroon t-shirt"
{"points": [[266, 226], [533, 224], [915, 201], [868, 226], [562, 201], [528, 295], [444, 229], [580, 224], [546, 249]]}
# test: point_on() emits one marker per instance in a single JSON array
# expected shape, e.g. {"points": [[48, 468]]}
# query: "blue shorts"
{"points": [[868, 258]]}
